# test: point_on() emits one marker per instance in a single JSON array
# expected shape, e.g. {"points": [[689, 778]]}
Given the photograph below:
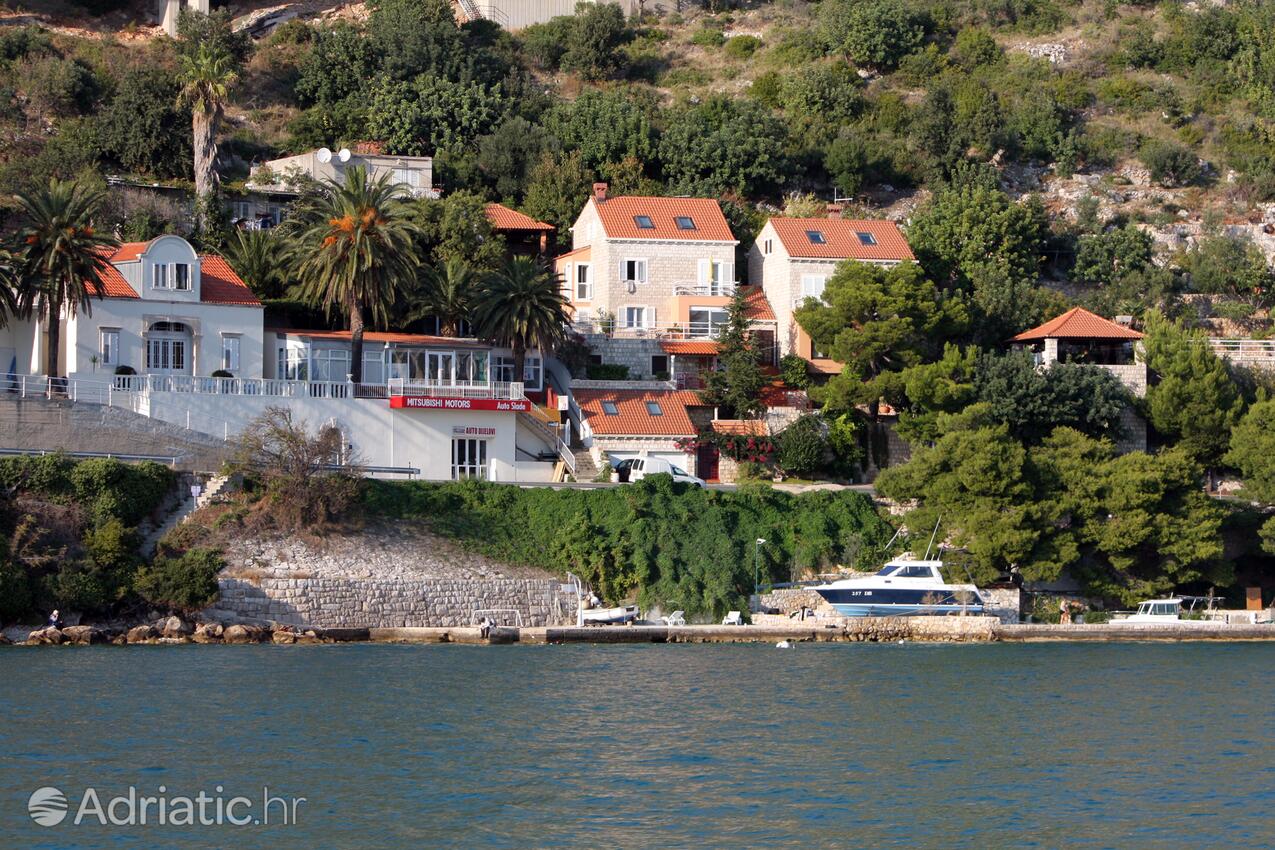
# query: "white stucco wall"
{"points": [[133, 316], [381, 436]]}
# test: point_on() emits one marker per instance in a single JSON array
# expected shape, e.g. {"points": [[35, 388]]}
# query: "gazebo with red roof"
{"points": [[1079, 336]]}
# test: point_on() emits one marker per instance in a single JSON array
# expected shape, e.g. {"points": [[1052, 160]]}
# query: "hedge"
{"points": [[669, 544]]}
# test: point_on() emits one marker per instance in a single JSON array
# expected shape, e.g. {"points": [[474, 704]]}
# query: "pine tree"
{"points": [[735, 385]]}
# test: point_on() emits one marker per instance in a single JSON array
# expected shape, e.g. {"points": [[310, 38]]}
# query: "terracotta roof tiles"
{"points": [[756, 306], [504, 218], [620, 216], [632, 417], [690, 347], [218, 284], [880, 240], [1078, 323]]}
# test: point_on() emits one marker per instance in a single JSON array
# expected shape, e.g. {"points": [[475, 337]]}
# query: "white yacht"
{"points": [[1170, 611], [902, 588]]}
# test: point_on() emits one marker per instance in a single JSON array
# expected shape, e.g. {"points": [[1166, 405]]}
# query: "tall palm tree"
{"points": [[448, 294], [207, 74], [522, 306], [62, 260], [258, 257], [355, 250]]}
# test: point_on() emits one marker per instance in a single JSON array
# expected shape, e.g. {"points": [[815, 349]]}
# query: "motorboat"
{"points": [[1170, 612], [609, 616], [902, 588]]}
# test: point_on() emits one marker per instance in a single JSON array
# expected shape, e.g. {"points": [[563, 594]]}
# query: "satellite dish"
{"points": [[343, 154], [324, 155]]}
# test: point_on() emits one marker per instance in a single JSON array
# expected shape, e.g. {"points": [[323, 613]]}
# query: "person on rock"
{"points": [[55, 620]]}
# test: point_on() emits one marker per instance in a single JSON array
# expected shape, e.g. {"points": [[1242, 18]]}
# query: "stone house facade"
{"points": [[793, 258]]}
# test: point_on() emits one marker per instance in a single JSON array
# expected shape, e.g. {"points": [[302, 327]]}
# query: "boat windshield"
{"points": [[888, 570]]}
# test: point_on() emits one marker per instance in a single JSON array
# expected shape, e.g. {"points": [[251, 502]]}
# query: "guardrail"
{"points": [[164, 459]]}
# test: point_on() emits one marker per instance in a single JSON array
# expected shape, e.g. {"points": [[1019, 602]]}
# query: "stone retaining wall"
{"points": [[391, 602]]}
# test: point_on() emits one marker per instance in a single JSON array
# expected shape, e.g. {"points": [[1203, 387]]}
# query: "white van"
{"points": [[636, 468]]}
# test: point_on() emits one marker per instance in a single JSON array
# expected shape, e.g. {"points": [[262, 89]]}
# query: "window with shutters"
{"points": [[633, 271]]}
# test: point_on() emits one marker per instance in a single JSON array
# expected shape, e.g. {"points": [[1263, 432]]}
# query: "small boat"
{"points": [[1169, 612], [609, 616], [902, 588]]}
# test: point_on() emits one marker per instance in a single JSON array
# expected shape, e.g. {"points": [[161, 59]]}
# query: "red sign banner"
{"points": [[418, 402]]}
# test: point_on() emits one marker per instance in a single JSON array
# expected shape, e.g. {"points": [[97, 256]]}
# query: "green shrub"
{"points": [[15, 591], [668, 544], [1170, 164], [792, 368], [185, 582], [607, 372], [708, 37], [742, 46], [802, 445], [107, 488]]}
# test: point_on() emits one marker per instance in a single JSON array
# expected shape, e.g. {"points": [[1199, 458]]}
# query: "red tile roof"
{"points": [[218, 284], [129, 251], [116, 285], [742, 427], [841, 239], [503, 218], [632, 419], [756, 306], [386, 336], [690, 347], [617, 215], [1078, 323]]}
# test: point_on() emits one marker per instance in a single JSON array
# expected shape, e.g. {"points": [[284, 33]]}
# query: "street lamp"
{"points": [[761, 541]]}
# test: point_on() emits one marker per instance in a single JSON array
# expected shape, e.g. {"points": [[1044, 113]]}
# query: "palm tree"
{"points": [[207, 76], [62, 260], [355, 250], [522, 306], [258, 257], [448, 294]]}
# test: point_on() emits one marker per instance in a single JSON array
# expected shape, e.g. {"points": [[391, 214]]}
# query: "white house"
{"points": [[167, 311], [793, 258]]}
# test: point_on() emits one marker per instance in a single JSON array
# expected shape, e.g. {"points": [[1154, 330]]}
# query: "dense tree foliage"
{"points": [[734, 387], [1127, 526], [663, 543]]}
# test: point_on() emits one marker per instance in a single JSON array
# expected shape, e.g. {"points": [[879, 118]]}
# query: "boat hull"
{"points": [[898, 602]]}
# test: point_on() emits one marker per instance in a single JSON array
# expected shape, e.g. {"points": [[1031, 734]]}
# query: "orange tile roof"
{"points": [[632, 419], [617, 215], [386, 336], [129, 251], [1078, 323], [742, 427], [756, 306], [503, 218], [115, 284], [218, 283], [841, 239], [690, 347]]}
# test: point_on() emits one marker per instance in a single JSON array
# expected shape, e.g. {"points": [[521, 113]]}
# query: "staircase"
{"points": [[586, 469], [185, 506]]}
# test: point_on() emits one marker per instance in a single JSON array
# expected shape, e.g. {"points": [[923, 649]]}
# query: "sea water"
{"points": [[830, 745]]}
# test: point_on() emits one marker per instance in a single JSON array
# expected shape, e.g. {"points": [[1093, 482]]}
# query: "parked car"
{"points": [[636, 468]]}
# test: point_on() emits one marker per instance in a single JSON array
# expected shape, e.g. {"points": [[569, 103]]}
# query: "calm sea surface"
{"points": [[652, 746]]}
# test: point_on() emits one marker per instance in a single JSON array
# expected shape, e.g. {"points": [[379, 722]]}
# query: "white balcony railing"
{"points": [[123, 386], [707, 290], [676, 331]]}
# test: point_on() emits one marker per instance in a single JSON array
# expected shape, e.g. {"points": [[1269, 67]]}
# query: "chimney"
{"points": [[599, 192], [834, 210]]}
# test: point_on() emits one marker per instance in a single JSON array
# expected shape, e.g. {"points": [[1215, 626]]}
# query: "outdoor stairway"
{"points": [[586, 469], [186, 505]]}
